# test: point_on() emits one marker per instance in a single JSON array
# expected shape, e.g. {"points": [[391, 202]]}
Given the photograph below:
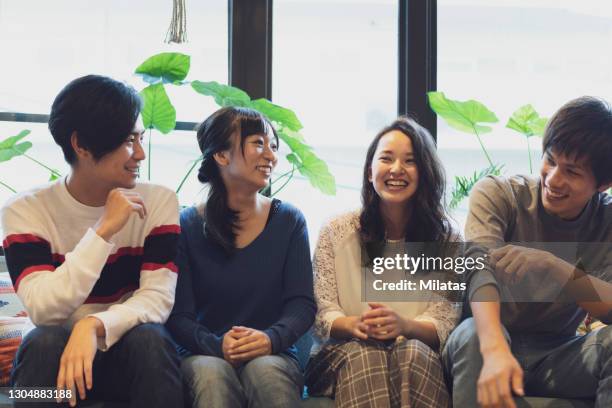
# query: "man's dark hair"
{"points": [[582, 129], [99, 109]]}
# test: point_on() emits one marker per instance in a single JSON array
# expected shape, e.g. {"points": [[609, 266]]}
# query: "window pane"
{"points": [[48, 43], [335, 65], [510, 53]]}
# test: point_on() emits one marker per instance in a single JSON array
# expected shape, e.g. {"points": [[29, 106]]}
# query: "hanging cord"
{"points": [[177, 32]]}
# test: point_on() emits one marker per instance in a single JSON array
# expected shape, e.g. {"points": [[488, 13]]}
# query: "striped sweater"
{"points": [[63, 271]]}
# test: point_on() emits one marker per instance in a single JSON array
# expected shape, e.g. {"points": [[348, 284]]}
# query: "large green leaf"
{"points": [[283, 116], [9, 147], [12, 140], [293, 159], [224, 95], [157, 111], [527, 121], [307, 162], [465, 116], [317, 172], [17, 150], [167, 67], [294, 140]]}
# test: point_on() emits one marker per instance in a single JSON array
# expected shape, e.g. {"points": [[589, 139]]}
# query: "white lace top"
{"points": [[337, 283]]}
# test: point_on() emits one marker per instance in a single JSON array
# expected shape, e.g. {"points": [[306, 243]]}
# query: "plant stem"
{"points": [[282, 175], [195, 162], [529, 153], [8, 187], [149, 156], [285, 183], [482, 146], [42, 164], [267, 190]]}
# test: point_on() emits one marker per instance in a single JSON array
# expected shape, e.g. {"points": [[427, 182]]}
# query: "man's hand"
{"points": [[120, 204], [501, 375], [229, 339], [77, 359], [256, 343], [512, 262], [383, 323]]}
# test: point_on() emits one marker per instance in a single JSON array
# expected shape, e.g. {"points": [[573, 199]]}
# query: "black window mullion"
{"points": [[250, 46], [41, 118], [417, 59]]}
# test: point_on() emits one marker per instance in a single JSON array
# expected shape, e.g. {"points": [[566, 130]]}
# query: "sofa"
{"points": [[14, 324]]}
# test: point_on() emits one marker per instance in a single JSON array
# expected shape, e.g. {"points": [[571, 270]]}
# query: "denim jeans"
{"points": [[554, 366], [142, 367], [267, 381]]}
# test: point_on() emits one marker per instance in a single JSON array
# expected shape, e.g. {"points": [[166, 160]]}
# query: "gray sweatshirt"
{"points": [[510, 210]]}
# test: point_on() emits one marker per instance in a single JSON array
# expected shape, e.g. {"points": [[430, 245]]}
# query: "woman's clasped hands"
{"points": [[383, 323], [379, 323]]}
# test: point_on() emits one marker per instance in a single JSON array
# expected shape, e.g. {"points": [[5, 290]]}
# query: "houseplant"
{"points": [[159, 114], [12, 147], [475, 118], [171, 69]]}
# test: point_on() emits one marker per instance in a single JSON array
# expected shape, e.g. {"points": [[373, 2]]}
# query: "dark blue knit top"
{"points": [[266, 285]]}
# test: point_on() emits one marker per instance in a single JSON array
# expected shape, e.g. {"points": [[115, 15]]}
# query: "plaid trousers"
{"points": [[359, 374]]}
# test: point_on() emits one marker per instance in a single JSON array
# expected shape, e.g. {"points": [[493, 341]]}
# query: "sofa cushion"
{"points": [[10, 305], [12, 330], [14, 324], [10, 338]]}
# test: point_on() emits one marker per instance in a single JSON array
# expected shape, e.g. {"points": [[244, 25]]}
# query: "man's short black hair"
{"points": [[582, 129], [99, 109]]}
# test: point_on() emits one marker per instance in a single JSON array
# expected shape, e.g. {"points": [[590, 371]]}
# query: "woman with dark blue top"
{"points": [[244, 293]]}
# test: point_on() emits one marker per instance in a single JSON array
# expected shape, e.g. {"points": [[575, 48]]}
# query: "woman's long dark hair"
{"points": [[215, 135], [429, 219]]}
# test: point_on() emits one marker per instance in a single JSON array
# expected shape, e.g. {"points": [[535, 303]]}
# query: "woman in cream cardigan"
{"points": [[383, 354]]}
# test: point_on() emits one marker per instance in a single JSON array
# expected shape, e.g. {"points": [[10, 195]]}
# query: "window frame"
{"points": [[417, 30]]}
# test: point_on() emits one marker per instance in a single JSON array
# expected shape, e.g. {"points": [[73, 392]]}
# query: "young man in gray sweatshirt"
{"points": [[522, 340]]}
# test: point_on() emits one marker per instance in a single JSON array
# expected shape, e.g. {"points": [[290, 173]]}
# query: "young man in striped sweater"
{"points": [[91, 257]]}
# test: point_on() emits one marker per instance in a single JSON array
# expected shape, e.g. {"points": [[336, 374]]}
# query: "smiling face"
{"points": [[251, 165], [567, 185], [393, 172], [120, 168]]}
